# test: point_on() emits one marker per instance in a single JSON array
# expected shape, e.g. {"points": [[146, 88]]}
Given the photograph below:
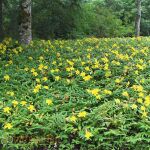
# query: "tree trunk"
{"points": [[1, 20], [138, 18], [25, 21]]}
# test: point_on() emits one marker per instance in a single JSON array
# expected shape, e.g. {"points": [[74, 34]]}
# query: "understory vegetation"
{"points": [[89, 94]]}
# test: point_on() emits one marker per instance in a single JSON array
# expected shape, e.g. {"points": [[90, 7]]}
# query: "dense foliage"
{"points": [[78, 18], [75, 94]]}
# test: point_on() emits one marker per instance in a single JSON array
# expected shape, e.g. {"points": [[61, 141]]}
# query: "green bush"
{"points": [[95, 20]]}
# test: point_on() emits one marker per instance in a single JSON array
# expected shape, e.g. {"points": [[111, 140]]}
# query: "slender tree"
{"points": [[138, 18], [1, 20], [25, 21]]}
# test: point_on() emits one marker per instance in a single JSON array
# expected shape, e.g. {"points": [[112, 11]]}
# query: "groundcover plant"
{"points": [[88, 94]]}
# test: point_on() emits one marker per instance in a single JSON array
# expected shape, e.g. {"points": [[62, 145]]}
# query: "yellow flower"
{"points": [[49, 101], [58, 54], [38, 80], [116, 63], [45, 67], [77, 72], [82, 114], [57, 70], [41, 58], [108, 74], [125, 94], [26, 69], [23, 103], [125, 105], [87, 68], [68, 81], [11, 93], [83, 63], [35, 90], [94, 92], [117, 101], [7, 110], [68, 69], [106, 67], [46, 87], [57, 78], [40, 67], [38, 86], [35, 74], [98, 97], [138, 88], [136, 72], [144, 114], [88, 135], [147, 98], [142, 80], [89, 56], [82, 74], [108, 92], [141, 94], [32, 70], [6, 77], [117, 80], [105, 60], [54, 62], [15, 103], [31, 108], [70, 63], [139, 100], [143, 108], [134, 106], [8, 126], [73, 118], [87, 78], [147, 101], [140, 67], [10, 62], [44, 79], [30, 58]]}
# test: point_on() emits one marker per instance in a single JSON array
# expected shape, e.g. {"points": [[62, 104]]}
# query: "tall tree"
{"points": [[1, 20], [138, 18], [25, 21]]}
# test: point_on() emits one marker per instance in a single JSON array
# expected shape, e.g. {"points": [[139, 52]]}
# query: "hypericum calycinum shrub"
{"points": [[89, 94]]}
